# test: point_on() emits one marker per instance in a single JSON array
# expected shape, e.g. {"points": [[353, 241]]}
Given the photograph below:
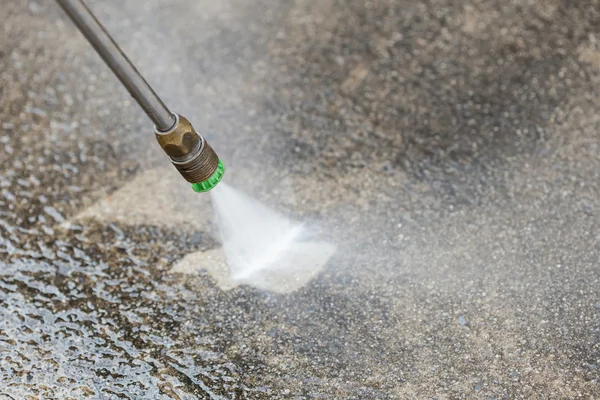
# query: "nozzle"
{"points": [[191, 154]]}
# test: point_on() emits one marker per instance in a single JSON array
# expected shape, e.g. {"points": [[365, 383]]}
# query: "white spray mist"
{"points": [[254, 237]]}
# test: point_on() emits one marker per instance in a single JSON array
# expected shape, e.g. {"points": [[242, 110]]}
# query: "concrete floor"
{"points": [[449, 149]]}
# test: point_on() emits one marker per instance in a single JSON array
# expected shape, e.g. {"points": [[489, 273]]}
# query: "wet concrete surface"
{"points": [[449, 149]]}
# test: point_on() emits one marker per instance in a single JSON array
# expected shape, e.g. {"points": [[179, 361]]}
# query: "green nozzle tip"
{"points": [[211, 182]]}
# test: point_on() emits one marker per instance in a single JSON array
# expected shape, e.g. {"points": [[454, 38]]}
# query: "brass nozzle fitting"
{"points": [[191, 154]]}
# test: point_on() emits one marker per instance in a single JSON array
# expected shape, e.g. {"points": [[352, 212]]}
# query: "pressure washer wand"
{"points": [[189, 152]]}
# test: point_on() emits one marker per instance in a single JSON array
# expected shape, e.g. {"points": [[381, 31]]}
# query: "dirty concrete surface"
{"points": [[450, 150]]}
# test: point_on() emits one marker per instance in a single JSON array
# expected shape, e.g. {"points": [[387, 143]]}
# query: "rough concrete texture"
{"points": [[450, 149]]}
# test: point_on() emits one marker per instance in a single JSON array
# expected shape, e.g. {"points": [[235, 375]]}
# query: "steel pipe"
{"points": [[118, 62]]}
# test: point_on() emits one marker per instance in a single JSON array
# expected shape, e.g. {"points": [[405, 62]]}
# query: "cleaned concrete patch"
{"points": [[155, 197], [297, 266]]}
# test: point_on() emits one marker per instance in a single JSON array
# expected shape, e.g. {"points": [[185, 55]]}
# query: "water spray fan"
{"points": [[188, 151]]}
